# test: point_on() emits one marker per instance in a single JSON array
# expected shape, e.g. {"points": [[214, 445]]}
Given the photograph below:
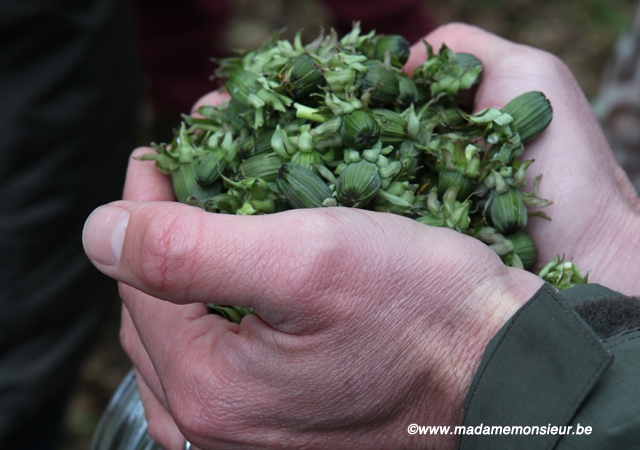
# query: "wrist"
{"points": [[462, 344], [614, 261]]}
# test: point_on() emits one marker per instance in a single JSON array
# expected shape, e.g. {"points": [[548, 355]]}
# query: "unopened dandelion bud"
{"points": [[525, 248], [358, 184], [392, 126], [300, 77], [448, 178], [208, 169], [264, 166], [507, 211], [381, 82], [359, 130], [531, 113], [397, 47], [302, 187], [240, 84], [307, 159], [408, 90]]}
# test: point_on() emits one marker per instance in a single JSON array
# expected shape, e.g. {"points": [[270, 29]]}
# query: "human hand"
{"points": [[366, 322], [224, 383], [595, 215]]}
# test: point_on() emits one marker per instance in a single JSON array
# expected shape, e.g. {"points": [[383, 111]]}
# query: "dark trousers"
{"points": [[67, 124]]}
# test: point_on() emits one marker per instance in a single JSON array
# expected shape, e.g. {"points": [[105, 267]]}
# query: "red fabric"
{"points": [[178, 38], [408, 18]]}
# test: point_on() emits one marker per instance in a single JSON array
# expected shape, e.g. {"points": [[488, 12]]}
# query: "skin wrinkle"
{"points": [[164, 264], [287, 385]]}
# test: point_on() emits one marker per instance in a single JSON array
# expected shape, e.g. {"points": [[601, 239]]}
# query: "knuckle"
{"points": [[314, 257], [454, 29], [540, 64], [167, 260]]}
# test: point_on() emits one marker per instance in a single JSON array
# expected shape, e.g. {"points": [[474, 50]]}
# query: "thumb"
{"points": [[276, 264]]}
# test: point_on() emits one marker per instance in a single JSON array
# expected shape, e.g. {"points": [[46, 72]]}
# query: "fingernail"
{"points": [[103, 234]]}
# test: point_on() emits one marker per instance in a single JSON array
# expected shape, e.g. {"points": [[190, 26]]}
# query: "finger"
{"points": [[160, 425], [170, 344], [144, 182], [186, 255], [134, 348], [212, 98], [152, 328]]}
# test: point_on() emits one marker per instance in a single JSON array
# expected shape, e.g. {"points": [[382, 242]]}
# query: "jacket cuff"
{"points": [[535, 372]]}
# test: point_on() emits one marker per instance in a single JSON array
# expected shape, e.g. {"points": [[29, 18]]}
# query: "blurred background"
{"points": [[583, 33]]}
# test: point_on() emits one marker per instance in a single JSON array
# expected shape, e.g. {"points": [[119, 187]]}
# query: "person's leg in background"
{"points": [[67, 119]]}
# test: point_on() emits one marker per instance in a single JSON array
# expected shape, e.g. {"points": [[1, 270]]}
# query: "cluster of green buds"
{"points": [[562, 274], [338, 122]]}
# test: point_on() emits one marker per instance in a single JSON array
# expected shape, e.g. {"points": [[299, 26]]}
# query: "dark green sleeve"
{"points": [[568, 360]]}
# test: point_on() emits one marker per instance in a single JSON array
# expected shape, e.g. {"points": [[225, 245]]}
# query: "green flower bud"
{"points": [[562, 275], [234, 113], [300, 77], [408, 90], [358, 184], [392, 126], [472, 68], [307, 159], [448, 178], [381, 82], [208, 169], [185, 186], [241, 85], [525, 248], [261, 143], [302, 187], [507, 211], [359, 130], [183, 180], [233, 314], [531, 113], [433, 221], [264, 166], [396, 46]]}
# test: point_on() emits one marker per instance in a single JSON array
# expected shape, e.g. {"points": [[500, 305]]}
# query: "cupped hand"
{"points": [[366, 322], [595, 215]]}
